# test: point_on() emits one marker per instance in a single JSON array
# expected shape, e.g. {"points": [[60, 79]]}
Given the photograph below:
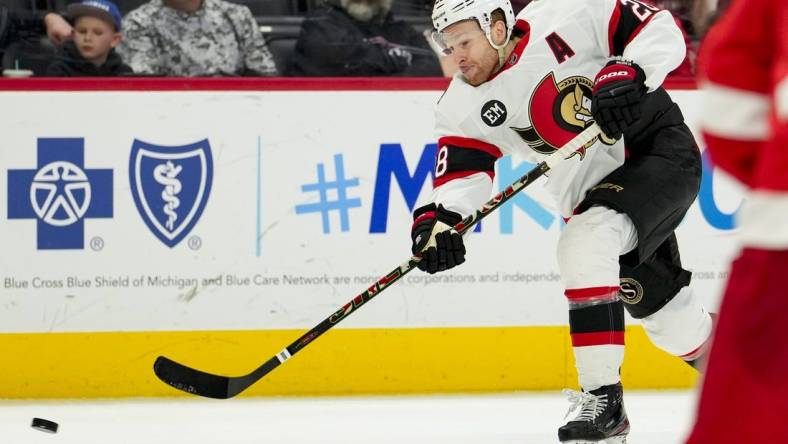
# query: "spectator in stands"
{"points": [[22, 43], [58, 29], [97, 25], [16, 24], [194, 38], [361, 38]]}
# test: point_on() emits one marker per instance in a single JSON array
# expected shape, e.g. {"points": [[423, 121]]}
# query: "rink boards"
{"points": [[215, 225]]}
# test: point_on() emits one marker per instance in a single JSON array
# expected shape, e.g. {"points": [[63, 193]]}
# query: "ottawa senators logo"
{"points": [[559, 112]]}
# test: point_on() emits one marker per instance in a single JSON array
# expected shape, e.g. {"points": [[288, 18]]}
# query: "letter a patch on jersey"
{"points": [[561, 50], [170, 186]]}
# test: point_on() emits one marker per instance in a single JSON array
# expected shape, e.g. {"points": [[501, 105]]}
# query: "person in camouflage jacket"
{"points": [[194, 38]]}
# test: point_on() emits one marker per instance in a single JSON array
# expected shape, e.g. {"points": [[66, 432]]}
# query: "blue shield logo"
{"points": [[170, 185]]}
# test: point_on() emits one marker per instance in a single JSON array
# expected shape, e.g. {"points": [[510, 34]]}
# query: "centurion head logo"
{"points": [[558, 112], [170, 185]]}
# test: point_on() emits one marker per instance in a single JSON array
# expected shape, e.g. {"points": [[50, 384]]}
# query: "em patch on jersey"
{"points": [[494, 113]]}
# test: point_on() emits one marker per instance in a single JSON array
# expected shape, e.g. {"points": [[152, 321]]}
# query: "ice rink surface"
{"points": [[659, 417]]}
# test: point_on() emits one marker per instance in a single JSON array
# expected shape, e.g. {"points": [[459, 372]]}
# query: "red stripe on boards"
{"points": [[437, 84]]}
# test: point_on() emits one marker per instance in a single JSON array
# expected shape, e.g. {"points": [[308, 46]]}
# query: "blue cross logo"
{"points": [[60, 193]]}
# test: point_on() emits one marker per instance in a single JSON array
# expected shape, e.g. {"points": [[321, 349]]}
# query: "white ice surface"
{"points": [[661, 417]]}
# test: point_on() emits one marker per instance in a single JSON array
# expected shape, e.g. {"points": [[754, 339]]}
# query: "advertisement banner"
{"points": [[146, 211]]}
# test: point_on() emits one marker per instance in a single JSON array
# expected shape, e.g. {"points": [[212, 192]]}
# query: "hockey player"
{"points": [[744, 62], [526, 86]]}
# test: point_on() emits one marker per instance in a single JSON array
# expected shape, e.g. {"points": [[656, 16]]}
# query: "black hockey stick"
{"points": [[210, 385]]}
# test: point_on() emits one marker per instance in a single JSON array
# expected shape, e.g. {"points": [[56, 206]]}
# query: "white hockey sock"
{"points": [[682, 327], [598, 365]]}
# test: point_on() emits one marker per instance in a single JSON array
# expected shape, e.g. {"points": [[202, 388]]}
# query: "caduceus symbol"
{"points": [[166, 174]]}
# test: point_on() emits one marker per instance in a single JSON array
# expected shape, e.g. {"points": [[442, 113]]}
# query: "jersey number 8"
{"points": [[441, 162]]}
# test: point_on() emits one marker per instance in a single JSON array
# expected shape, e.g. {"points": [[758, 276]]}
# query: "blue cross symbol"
{"points": [[60, 193]]}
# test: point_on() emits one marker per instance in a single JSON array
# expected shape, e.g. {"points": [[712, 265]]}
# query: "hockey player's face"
{"points": [[466, 43]]}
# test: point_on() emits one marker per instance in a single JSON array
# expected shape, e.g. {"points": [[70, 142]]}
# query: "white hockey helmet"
{"points": [[448, 12]]}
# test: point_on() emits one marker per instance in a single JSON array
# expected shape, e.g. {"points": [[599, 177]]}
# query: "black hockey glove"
{"points": [[618, 92], [442, 249]]}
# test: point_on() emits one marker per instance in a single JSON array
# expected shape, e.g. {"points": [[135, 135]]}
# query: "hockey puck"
{"points": [[44, 425]]}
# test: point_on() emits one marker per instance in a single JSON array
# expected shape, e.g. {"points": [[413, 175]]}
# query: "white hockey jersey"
{"points": [[541, 98]]}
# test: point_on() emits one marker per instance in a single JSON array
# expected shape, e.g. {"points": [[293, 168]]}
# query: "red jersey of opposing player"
{"points": [[744, 69]]}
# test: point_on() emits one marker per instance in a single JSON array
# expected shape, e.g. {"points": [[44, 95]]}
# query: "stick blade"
{"points": [[192, 381]]}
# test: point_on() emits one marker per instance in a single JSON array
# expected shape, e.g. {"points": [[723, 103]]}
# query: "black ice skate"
{"points": [[601, 417]]}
